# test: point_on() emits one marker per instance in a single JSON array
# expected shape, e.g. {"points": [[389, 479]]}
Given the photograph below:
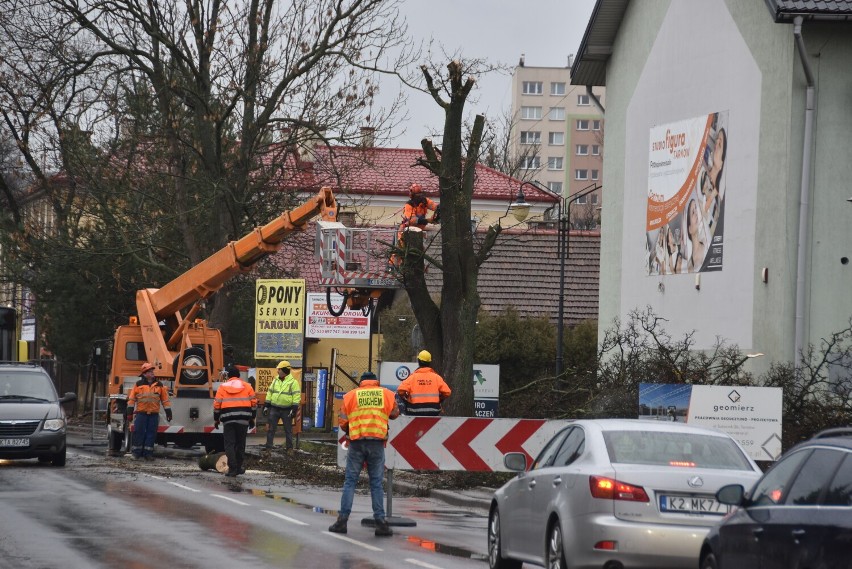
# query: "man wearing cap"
{"points": [[235, 405], [364, 418], [283, 398], [143, 410], [424, 390]]}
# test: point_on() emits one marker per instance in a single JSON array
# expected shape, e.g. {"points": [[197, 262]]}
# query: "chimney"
{"points": [[521, 62], [570, 61], [311, 142], [368, 137]]}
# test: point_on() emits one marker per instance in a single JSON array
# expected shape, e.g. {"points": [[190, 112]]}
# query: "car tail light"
{"points": [[607, 545], [682, 463], [610, 489]]}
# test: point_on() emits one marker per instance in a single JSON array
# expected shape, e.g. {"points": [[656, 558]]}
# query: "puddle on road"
{"points": [[426, 544], [445, 549]]}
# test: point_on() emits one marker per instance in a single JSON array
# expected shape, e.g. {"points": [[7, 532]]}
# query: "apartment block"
{"points": [[558, 137]]}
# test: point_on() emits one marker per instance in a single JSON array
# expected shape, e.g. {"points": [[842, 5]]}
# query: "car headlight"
{"points": [[54, 424]]}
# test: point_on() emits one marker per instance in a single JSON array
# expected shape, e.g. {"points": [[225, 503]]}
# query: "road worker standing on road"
{"points": [[143, 410], [424, 390], [283, 398], [235, 405], [364, 418]]}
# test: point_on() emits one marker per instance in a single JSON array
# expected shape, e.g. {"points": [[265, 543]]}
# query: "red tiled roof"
{"points": [[389, 172]]}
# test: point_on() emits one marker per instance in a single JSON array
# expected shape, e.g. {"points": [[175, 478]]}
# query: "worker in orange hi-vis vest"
{"points": [[424, 390], [143, 410], [364, 418], [235, 405], [414, 215]]}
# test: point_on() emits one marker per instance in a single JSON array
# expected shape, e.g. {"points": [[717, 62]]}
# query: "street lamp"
{"points": [[563, 237], [519, 206]]}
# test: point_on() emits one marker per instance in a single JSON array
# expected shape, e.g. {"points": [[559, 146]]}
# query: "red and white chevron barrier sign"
{"points": [[461, 443]]}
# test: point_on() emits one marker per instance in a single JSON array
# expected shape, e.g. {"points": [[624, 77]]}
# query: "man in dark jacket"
{"points": [[235, 405]]}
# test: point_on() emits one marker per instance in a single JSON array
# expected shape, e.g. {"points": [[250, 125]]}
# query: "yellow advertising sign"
{"points": [[280, 320]]}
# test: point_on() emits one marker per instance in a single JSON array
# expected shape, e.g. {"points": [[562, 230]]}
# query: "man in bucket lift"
{"points": [[414, 215]]}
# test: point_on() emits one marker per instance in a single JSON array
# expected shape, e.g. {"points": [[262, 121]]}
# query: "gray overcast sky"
{"points": [[546, 31]]}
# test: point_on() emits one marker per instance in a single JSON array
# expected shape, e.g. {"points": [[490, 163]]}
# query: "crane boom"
{"points": [[208, 276], [187, 354], [236, 257]]}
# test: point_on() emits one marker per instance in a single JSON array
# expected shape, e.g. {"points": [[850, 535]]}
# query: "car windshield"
{"points": [[662, 448], [26, 385]]}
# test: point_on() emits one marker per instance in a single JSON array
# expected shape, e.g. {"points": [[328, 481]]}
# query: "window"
{"points": [[530, 137], [596, 150], [556, 138], [813, 477], [583, 124], [530, 163], [556, 114], [594, 174], [583, 100], [532, 87], [581, 174], [580, 200], [771, 487], [582, 149], [555, 187], [554, 163], [547, 454], [530, 112], [557, 88], [839, 492], [571, 448], [594, 198], [661, 447], [596, 125]]}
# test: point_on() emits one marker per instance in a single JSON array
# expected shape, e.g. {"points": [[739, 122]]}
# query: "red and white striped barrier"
{"points": [[460, 443]]}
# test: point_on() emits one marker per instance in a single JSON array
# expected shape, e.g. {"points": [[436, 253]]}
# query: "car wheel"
{"points": [[495, 556], [709, 561], [58, 458], [555, 551]]}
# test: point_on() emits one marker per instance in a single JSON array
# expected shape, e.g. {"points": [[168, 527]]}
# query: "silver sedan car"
{"points": [[615, 494]]}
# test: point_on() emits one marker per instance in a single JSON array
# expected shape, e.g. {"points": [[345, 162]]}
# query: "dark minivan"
{"points": [[799, 514], [32, 420]]}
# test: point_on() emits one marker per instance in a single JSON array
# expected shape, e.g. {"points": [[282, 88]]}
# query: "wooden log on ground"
{"points": [[217, 460]]}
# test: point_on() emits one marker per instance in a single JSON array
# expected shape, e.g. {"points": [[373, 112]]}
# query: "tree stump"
{"points": [[217, 460]]}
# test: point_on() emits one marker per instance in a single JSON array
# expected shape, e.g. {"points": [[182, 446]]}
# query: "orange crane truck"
{"points": [[186, 353]]}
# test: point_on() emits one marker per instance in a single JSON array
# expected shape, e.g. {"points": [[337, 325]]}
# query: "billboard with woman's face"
{"points": [[684, 230]]}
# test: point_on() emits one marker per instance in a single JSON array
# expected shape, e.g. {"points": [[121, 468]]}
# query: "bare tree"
{"points": [[449, 329], [187, 113]]}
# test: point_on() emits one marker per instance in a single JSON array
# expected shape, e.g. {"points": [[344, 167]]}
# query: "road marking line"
{"points": [[353, 541], [422, 564], [285, 518], [228, 498], [181, 486]]}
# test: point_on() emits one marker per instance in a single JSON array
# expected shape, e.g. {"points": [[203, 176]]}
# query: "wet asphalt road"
{"points": [[109, 512]]}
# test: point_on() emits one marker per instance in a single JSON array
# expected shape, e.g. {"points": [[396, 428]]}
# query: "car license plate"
{"points": [[14, 442], [692, 505]]}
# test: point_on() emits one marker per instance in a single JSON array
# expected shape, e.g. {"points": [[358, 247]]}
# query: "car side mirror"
{"points": [[732, 494], [515, 461]]}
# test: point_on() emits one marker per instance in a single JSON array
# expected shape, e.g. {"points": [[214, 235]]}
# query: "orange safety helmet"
{"points": [[415, 188], [146, 367]]}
